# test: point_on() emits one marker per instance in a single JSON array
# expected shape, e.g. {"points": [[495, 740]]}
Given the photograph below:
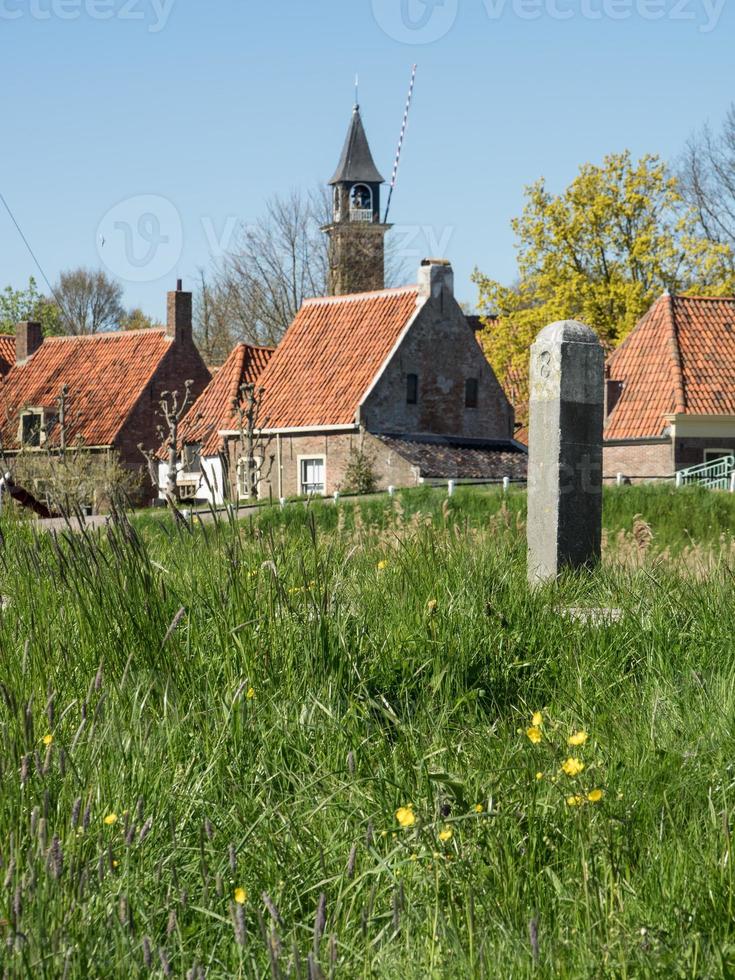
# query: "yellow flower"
{"points": [[382, 565], [110, 819], [445, 834], [47, 739], [539, 775], [534, 734], [537, 720], [431, 605], [115, 863], [251, 693], [405, 816], [595, 795], [240, 896], [479, 807], [575, 800], [573, 767], [578, 738]]}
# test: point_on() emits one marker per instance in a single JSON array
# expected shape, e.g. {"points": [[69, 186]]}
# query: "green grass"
{"points": [[138, 650]]}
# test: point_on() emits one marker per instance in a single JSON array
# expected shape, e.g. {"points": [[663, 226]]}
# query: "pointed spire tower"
{"points": [[356, 234]]}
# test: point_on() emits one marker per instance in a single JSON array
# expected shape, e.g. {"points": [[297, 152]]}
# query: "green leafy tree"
{"points": [[17, 305], [600, 252]]}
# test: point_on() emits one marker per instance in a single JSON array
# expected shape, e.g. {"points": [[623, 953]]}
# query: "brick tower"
{"points": [[356, 234]]}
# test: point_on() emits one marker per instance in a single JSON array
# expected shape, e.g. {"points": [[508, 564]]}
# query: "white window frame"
{"points": [[309, 457], [41, 415], [242, 462]]}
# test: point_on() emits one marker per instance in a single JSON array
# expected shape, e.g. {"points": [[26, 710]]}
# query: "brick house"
{"points": [[114, 383], [396, 371], [670, 389], [203, 472]]}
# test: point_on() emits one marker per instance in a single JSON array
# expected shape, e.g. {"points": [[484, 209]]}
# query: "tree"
{"points": [[172, 410], [247, 407], [17, 305], [89, 300], [136, 319], [707, 177], [600, 252], [360, 473], [257, 289]]}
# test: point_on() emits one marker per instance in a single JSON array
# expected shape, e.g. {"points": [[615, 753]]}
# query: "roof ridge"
{"points": [[353, 297], [161, 331], [716, 299], [680, 398]]}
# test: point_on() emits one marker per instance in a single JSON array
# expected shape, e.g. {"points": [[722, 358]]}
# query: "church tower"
{"points": [[356, 234]]}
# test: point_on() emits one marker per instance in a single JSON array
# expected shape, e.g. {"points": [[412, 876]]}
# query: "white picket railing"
{"points": [[717, 474]]}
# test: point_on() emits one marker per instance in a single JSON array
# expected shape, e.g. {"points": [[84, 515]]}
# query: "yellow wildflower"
{"points": [[382, 565], [445, 834], [572, 767], [110, 819], [47, 739], [405, 816], [479, 807], [575, 800], [431, 605], [534, 734], [578, 738], [240, 896], [115, 863], [539, 775], [537, 720], [251, 693], [595, 795]]}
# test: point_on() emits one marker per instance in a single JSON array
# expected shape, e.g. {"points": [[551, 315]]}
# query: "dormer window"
{"points": [[31, 428]]}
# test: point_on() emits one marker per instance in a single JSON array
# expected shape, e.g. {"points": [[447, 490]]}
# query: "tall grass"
{"points": [[254, 704]]}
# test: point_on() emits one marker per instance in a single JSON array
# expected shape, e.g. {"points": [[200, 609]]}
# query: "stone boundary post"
{"points": [[565, 451]]}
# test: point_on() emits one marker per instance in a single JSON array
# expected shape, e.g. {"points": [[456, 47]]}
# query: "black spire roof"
{"points": [[356, 162]]}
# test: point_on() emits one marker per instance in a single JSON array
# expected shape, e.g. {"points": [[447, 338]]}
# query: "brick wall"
{"points": [[690, 451], [441, 349], [335, 447], [638, 460], [182, 362]]}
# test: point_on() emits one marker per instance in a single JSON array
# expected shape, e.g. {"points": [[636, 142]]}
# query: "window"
{"points": [[248, 477], [31, 426], [361, 198], [312, 475], [471, 388], [412, 389], [191, 458], [613, 391], [710, 455]]}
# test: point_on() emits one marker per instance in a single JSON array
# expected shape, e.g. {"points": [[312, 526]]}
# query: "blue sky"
{"points": [[196, 112]]}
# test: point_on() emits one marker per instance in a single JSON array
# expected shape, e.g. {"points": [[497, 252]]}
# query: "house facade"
{"points": [[396, 374], [203, 468], [100, 393], [670, 389]]}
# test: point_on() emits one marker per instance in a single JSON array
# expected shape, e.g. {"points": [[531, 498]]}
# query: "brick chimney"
{"points": [[178, 318], [28, 338], [436, 279]]}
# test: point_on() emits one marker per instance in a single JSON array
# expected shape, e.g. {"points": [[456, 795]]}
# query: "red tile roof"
{"points": [[7, 353], [330, 355], [212, 411], [680, 358], [106, 375]]}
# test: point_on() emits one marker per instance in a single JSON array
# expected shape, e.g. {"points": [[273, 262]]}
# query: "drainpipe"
{"points": [[280, 465]]}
